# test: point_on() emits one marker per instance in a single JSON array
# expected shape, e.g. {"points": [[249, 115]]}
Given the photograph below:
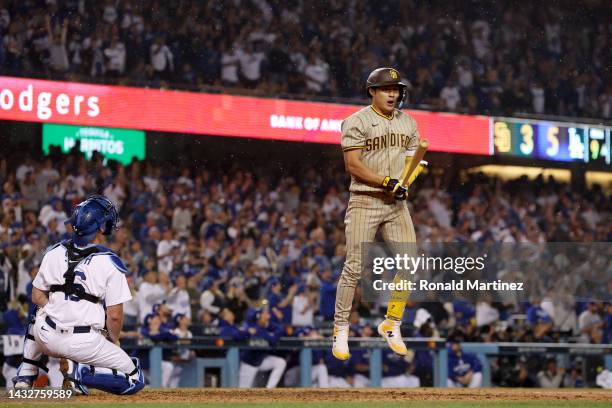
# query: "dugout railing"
{"points": [[229, 361], [224, 355]]}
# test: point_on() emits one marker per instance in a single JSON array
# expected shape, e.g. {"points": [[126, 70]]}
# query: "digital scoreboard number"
{"points": [[551, 141], [599, 145]]}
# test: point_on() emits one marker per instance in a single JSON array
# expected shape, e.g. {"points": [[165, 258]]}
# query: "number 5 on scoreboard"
{"points": [[553, 149]]}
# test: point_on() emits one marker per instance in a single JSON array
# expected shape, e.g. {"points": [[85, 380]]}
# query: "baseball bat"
{"points": [[414, 161]]}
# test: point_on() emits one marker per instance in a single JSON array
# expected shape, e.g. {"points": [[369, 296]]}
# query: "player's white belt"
{"points": [[75, 329]]}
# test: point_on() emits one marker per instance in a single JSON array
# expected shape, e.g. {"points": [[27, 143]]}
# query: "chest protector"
{"points": [[75, 256]]}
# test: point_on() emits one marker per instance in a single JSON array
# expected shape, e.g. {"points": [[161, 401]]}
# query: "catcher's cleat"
{"points": [[340, 348], [23, 382], [390, 330], [72, 378]]}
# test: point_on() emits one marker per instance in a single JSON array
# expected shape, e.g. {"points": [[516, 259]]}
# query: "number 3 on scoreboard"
{"points": [[526, 146], [553, 149]]}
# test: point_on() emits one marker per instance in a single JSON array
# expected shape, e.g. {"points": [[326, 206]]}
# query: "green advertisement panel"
{"points": [[116, 144]]}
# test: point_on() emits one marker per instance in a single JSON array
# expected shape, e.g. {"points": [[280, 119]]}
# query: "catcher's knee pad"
{"points": [[112, 381]]}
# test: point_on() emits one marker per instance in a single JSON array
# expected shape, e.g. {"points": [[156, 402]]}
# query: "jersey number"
{"points": [[75, 298]]}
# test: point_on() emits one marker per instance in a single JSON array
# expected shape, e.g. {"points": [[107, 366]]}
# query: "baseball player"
{"points": [[464, 369], [395, 373], [260, 326], [376, 142], [80, 290], [183, 356]]}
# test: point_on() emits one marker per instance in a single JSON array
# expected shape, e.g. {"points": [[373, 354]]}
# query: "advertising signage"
{"points": [[117, 144], [31, 100]]}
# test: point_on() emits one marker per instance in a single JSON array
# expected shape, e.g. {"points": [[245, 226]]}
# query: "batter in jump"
{"points": [[376, 141], [80, 290]]}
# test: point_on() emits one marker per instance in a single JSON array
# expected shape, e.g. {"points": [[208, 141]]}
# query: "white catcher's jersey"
{"points": [[101, 274]]}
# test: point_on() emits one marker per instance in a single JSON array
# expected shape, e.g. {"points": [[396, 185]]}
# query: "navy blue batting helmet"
{"points": [[97, 213]]}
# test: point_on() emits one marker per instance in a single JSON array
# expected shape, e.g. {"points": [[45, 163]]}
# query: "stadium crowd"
{"points": [[237, 253], [466, 56]]}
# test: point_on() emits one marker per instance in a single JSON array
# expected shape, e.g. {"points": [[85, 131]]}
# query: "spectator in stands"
{"points": [[130, 308], [303, 308], [162, 59], [150, 292], [461, 69], [15, 319], [212, 299], [30, 256], [449, 96], [178, 298], [182, 218], [327, 295], [607, 329], [259, 326], [590, 324], [237, 300], [229, 64], [251, 60], [58, 54], [486, 314], [539, 321], [280, 304], [167, 252], [551, 376], [116, 56], [317, 74], [6, 280], [164, 313]]}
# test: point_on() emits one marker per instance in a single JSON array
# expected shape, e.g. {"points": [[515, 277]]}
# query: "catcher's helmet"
{"points": [[384, 77], [97, 213]]}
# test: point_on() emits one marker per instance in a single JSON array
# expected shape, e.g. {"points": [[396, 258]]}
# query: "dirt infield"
{"points": [[323, 395]]}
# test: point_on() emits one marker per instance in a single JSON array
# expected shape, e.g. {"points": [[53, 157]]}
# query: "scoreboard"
{"points": [[558, 141]]}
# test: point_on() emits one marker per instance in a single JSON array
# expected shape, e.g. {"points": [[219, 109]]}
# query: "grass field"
{"points": [[317, 398]]}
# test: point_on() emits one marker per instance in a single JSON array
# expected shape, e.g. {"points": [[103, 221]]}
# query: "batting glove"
{"points": [[393, 187]]}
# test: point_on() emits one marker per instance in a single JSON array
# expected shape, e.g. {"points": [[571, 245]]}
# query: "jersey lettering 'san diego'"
{"points": [[384, 142]]}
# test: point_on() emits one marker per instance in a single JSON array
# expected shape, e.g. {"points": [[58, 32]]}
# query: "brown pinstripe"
{"points": [[369, 208]]}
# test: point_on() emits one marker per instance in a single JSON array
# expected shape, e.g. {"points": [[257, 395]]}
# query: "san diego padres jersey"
{"points": [[101, 274], [384, 142]]}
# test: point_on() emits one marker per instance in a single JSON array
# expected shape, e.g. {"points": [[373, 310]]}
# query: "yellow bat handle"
{"points": [[415, 174], [412, 163]]}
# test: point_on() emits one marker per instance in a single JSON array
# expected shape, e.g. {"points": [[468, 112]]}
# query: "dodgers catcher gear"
{"points": [[30, 349], [71, 289], [105, 379], [385, 77], [97, 213], [72, 377]]}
